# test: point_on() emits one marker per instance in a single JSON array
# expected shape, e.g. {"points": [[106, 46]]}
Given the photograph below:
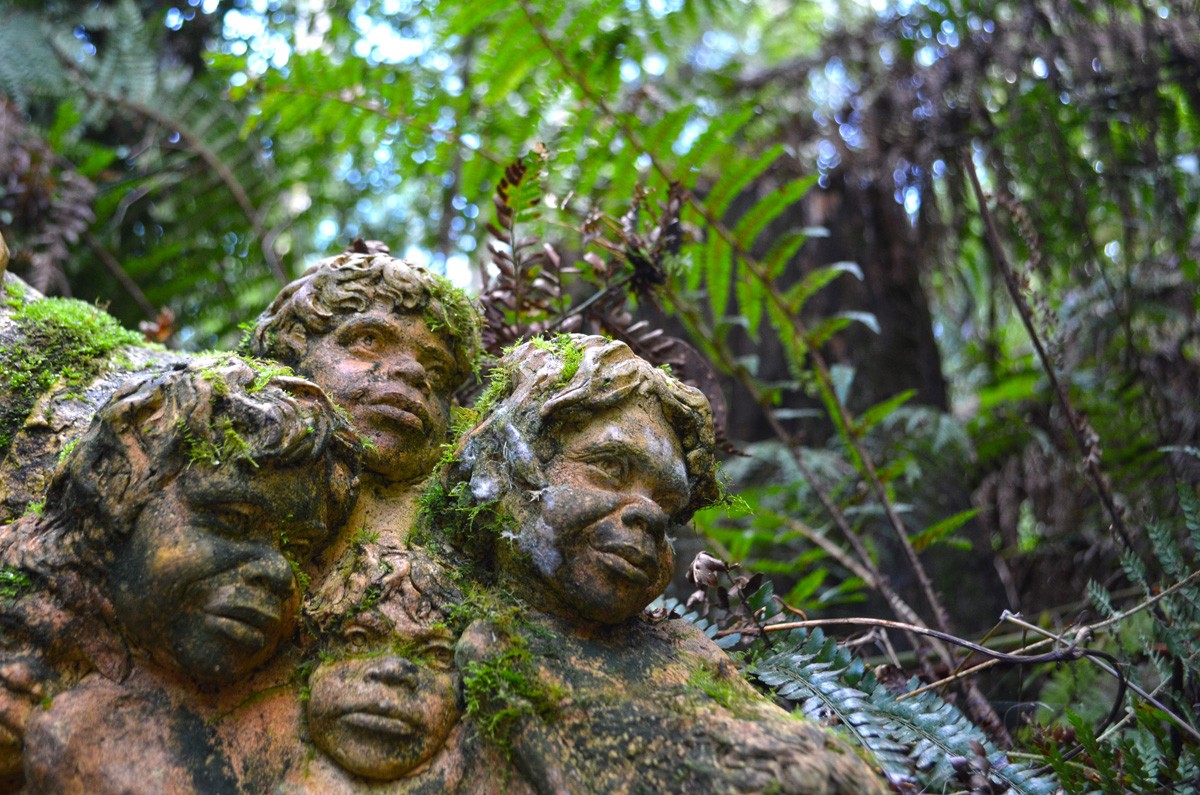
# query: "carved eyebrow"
{"points": [[247, 519], [239, 508], [612, 447], [365, 323]]}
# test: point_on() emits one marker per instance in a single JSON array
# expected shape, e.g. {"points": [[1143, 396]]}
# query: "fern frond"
{"points": [[915, 739], [29, 66], [816, 677]]}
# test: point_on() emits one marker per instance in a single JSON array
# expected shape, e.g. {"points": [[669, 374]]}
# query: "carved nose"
{"points": [[406, 368], [394, 671], [271, 572], [643, 514]]}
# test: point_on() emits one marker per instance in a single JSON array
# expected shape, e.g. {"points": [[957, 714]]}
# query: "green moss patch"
{"points": [[14, 294], [450, 308], [566, 348], [61, 340], [13, 583], [502, 691]]}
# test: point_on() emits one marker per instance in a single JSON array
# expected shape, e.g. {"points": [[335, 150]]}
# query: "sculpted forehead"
{"points": [[642, 430]]}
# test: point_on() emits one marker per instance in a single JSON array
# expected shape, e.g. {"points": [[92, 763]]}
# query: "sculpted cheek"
{"points": [[539, 543]]}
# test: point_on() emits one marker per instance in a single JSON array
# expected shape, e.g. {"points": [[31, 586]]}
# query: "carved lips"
{"points": [[399, 406], [244, 614], [382, 717], [248, 625], [629, 561]]}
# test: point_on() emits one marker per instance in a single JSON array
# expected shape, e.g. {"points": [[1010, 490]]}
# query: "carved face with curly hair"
{"points": [[191, 503], [388, 341], [587, 459]]}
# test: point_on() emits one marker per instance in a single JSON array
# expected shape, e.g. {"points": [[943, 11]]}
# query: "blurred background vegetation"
{"points": [[939, 403]]}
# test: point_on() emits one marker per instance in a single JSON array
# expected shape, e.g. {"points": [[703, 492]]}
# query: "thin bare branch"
{"points": [[1088, 448]]}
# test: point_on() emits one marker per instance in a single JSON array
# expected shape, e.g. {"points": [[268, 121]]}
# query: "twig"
{"points": [[1150, 601], [1112, 671], [1087, 448]]}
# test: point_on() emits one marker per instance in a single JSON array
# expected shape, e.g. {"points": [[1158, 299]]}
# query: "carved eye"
{"points": [[229, 522], [439, 658], [357, 638], [612, 467], [366, 339]]}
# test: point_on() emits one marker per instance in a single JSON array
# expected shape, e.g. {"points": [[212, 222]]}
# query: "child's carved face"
{"points": [[384, 714], [203, 582]]}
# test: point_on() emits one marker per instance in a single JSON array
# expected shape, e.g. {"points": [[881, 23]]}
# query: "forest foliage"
{"points": [[934, 263]]}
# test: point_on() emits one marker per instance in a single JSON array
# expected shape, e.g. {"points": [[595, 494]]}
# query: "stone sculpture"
{"points": [[172, 545], [560, 502], [60, 360], [223, 593], [388, 342], [384, 697]]}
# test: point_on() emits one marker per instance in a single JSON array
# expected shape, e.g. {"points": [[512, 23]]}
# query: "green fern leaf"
{"points": [[718, 267], [813, 281], [662, 136], [751, 296], [712, 145], [736, 177], [810, 676], [881, 411], [769, 208], [936, 532], [913, 740], [1101, 598], [781, 253]]}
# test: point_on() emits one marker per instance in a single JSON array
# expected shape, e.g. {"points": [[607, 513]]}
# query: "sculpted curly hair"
{"points": [[217, 411], [350, 283], [539, 387]]}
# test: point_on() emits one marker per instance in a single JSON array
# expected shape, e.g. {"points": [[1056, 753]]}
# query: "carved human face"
{"points": [[202, 583], [598, 547], [392, 375], [384, 715]]}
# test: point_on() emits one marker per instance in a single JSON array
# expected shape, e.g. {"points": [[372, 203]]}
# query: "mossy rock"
{"points": [[60, 360]]}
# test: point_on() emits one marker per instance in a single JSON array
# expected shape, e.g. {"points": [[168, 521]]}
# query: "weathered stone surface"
{"points": [[585, 461], [223, 594]]}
